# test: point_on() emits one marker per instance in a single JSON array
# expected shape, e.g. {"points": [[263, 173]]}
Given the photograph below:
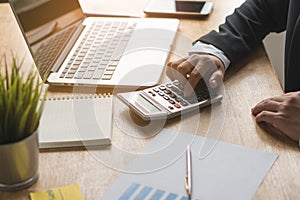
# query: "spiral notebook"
{"points": [[84, 120]]}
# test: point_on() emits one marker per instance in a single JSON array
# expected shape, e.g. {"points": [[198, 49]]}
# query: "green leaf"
{"points": [[20, 104]]}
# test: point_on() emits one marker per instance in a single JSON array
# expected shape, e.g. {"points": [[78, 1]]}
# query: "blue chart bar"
{"points": [[185, 198], [143, 193], [129, 192], [157, 195], [171, 196]]}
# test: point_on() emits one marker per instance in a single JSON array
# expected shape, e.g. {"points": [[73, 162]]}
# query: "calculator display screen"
{"points": [[146, 104]]}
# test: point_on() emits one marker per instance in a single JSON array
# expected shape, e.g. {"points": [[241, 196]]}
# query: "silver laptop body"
{"points": [[96, 51]]}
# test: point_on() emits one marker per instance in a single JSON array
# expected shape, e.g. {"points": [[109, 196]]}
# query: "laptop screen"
{"points": [[35, 13], [42, 22]]}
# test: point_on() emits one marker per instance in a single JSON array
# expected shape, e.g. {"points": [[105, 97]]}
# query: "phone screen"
{"points": [[189, 6]]}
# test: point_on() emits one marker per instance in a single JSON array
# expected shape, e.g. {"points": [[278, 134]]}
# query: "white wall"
{"points": [[274, 44]]}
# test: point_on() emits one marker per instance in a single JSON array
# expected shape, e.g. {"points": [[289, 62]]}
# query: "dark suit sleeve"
{"points": [[247, 26]]}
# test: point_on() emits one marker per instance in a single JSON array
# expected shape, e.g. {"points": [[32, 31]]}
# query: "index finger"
{"points": [[267, 105], [172, 68], [193, 80]]}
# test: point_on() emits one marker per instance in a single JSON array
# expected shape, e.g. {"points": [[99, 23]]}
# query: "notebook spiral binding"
{"points": [[78, 96]]}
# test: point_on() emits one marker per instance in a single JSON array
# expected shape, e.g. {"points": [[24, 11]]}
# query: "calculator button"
{"points": [[166, 98], [184, 103], [153, 94], [174, 89], [206, 96], [171, 107], [161, 93], [200, 98], [167, 91], [193, 100], [169, 85], [180, 93], [162, 87], [178, 99], [172, 95], [181, 87], [177, 105], [155, 89], [171, 101]]}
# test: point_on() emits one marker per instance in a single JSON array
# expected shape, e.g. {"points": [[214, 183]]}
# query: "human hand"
{"points": [[189, 71], [281, 113]]}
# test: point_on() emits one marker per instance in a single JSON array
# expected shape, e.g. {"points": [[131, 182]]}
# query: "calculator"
{"points": [[168, 101]]}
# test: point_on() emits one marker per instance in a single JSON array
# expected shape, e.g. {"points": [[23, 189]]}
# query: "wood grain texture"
{"points": [[251, 81]]}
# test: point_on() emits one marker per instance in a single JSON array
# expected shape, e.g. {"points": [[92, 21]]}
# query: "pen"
{"points": [[188, 177]]}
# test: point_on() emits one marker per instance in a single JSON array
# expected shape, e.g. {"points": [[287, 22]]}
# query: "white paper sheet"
{"points": [[228, 172]]}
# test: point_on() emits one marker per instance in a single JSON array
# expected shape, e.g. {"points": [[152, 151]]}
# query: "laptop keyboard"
{"points": [[48, 52], [99, 52]]}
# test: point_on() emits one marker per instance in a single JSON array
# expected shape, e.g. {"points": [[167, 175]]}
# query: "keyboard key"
{"points": [[106, 77], [108, 72], [62, 75], [79, 75], [72, 71], [98, 74], [102, 66], [82, 69], [111, 68], [119, 50], [65, 71], [69, 75], [114, 63], [100, 50], [92, 68], [88, 75]]}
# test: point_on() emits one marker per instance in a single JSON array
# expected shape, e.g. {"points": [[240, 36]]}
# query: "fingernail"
{"points": [[213, 83]]}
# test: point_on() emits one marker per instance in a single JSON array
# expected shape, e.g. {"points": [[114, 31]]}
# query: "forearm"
{"points": [[247, 26]]}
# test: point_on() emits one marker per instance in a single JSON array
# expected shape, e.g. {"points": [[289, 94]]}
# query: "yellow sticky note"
{"points": [[71, 192]]}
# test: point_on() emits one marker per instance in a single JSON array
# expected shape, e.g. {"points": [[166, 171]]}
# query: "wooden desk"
{"points": [[246, 84]]}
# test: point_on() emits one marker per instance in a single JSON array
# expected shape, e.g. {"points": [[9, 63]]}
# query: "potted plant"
{"points": [[21, 106]]}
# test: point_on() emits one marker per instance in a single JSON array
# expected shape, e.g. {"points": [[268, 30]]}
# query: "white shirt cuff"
{"points": [[202, 48]]}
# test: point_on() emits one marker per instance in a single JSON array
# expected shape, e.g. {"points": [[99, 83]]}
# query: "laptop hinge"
{"points": [[67, 48]]}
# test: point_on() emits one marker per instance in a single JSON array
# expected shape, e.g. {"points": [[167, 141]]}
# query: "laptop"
{"points": [[94, 51]]}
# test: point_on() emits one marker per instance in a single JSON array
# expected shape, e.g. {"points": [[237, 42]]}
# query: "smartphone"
{"points": [[191, 6], [179, 7], [166, 101]]}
